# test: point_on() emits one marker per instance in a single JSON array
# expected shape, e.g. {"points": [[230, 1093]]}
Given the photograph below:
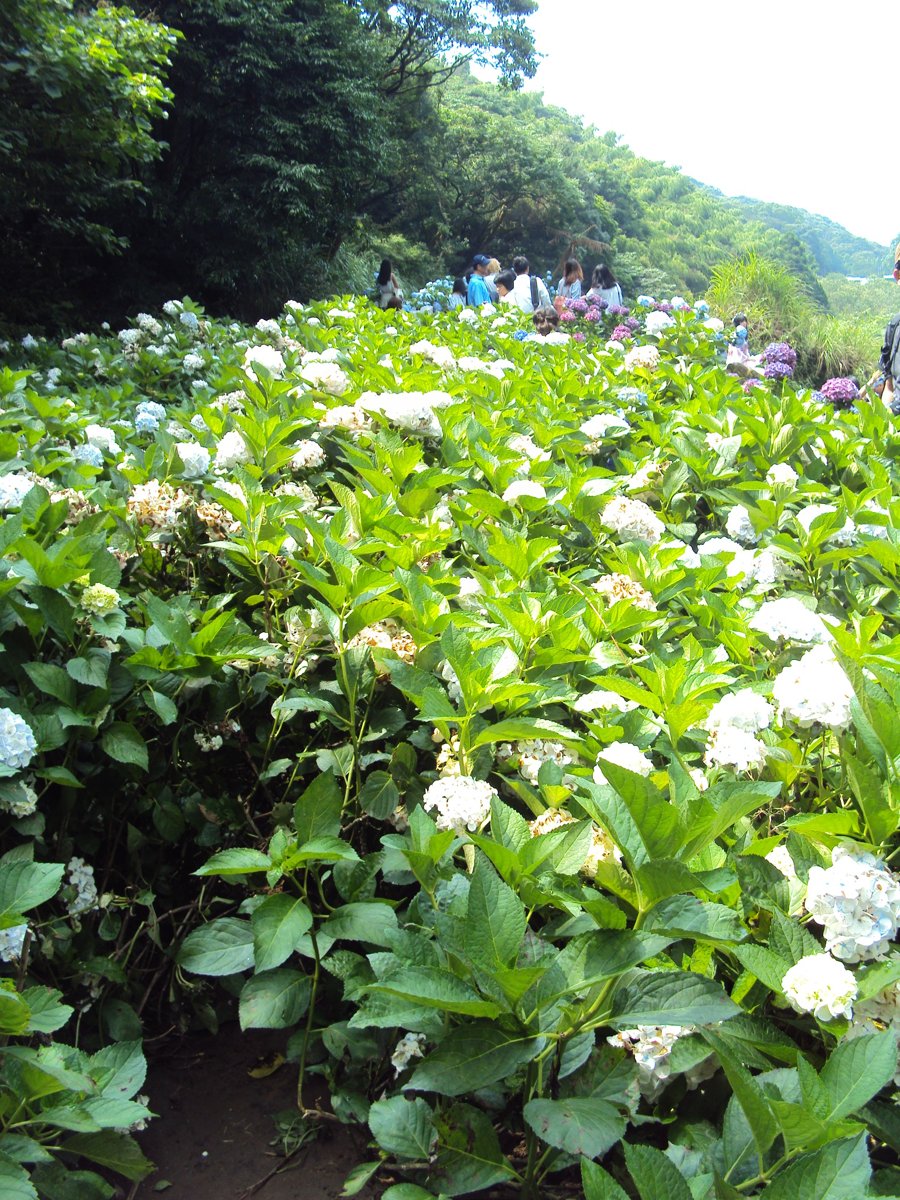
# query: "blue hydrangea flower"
{"points": [[17, 742], [89, 454]]}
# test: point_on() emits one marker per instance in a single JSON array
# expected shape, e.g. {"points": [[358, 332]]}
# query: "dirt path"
{"points": [[212, 1138]]}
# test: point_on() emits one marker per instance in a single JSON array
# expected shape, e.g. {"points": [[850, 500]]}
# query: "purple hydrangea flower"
{"points": [[578, 336], [778, 370], [618, 310], [632, 323], [620, 333], [578, 306], [598, 302], [749, 384], [817, 396], [780, 352], [567, 316], [593, 314], [841, 391]]}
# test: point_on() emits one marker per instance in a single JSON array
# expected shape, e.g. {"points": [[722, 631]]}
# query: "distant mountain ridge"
{"points": [[835, 248]]}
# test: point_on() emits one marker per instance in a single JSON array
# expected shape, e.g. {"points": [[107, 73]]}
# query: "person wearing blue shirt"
{"points": [[477, 292]]}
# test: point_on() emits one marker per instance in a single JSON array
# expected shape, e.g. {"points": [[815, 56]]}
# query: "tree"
{"points": [[80, 90], [277, 129]]}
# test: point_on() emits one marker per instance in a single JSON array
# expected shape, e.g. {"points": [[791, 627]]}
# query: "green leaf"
{"points": [[359, 1177], [768, 967], [240, 861], [363, 921], [642, 822], [403, 1127], [112, 1149], [274, 999], [597, 1185], [582, 1126], [407, 1191], [838, 1171], [57, 1183], [120, 1069], [379, 795], [93, 669], [857, 1070], [165, 709], [671, 998], [472, 1056], [517, 728], [24, 884], [655, 1176], [52, 680], [436, 988], [14, 1182], [496, 919], [123, 743], [15, 1015], [469, 1158], [222, 947], [690, 917], [47, 1014], [278, 925], [318, 811], [747, 1091]]}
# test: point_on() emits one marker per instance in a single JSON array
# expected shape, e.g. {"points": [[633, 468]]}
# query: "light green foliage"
{"points": [[346, 607]]}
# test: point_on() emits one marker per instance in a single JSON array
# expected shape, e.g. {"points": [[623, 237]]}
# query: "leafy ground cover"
{"points": [[510, 722]]}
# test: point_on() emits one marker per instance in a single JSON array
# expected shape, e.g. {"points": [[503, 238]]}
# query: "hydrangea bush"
{"points": [[511, 722]]}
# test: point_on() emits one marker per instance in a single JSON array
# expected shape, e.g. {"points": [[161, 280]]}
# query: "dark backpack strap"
{"points": [[535, 298]]}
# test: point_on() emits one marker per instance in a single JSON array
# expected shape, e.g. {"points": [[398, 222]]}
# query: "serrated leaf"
{"points": [[222, 947], [318, 811], [239, 861], [403, 1127], [278, 925], [597, 1185], [496, 921], [747, 1091], [655, 1176], [671, 998], [472, 1056], [469, 1157], [363, 921], [123, 743], [274, 999], [838, 1171], [584, 1126], [24, 884], [435, 988], [112, 1149], [857, 1069]]}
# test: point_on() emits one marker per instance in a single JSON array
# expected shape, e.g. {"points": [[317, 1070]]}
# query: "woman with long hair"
{"points": [[570, 285], [388, 293], [605, 286]]}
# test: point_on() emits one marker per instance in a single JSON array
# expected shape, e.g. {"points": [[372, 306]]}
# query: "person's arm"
{"points": [[888, 346], [575, 290]]}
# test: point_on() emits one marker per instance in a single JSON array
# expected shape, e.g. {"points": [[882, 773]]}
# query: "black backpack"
{"points": [[535, 296]]}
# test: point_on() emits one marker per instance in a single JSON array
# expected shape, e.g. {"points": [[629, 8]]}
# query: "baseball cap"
{"points": [[480, 260]]}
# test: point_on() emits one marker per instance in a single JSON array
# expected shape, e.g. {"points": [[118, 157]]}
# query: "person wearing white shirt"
{"points": [[528, 288]]}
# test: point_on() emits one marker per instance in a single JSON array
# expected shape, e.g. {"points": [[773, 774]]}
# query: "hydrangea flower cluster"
{"points": [[857, 902], [17, 742], [413, 412], [602, 701], [147, 416], [840, 390], [459, 802], [733, 723], [308, 456], [633, 520], [267, 357], [790, 620], [195, 459], [99, 599], [820, 985], [602, 849], [13, 489], [845, 536], [781, 475], [650, 1046], [104, 439], [410, 1046], [81, 878], [325, 377], [523, 487], [781, 352], [656, 322], [12, 942], [156, 504], [530, 756], [740, 527], [643, 358], [617, 587], [230, 452], [814, 690], [622, 754]]}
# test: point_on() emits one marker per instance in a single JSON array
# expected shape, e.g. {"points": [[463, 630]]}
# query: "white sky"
{"points": [[786, 101]]}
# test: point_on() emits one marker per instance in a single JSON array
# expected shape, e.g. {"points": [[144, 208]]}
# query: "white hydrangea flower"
{"points": [[616, 587], [81, 878], [521, 443], [414, 412], [195, 458], [820, 985], [308, 456], [650, 1046], [17, 742], [410, 1046], [714, 324], [857, 902], [467, 315], [781, 475], [459, 802], [325, 377], [12, 942], [20, 799], [231, 451], [814, 690], [656, 322], [192, 363], [602, 425], [600, 700], [269, 327], [104, 439], [743, 709], [172, 308], [644, 358], [532, 755], [740, 527], [523, 487], [267, 357], [622, 754], [13, 490], [346, 416], [632, 520], [441, 356], [157, 504], [782, 861], [99, 599], [732, 747], [789, 618]]}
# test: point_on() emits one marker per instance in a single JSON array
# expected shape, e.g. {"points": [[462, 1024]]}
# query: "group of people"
{"points": [[487, 283]]}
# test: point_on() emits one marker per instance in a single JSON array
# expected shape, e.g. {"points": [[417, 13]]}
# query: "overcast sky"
{"points": [[782, 101]]}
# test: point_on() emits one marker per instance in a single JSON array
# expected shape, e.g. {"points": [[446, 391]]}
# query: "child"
{"points": [[738, 359]]}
